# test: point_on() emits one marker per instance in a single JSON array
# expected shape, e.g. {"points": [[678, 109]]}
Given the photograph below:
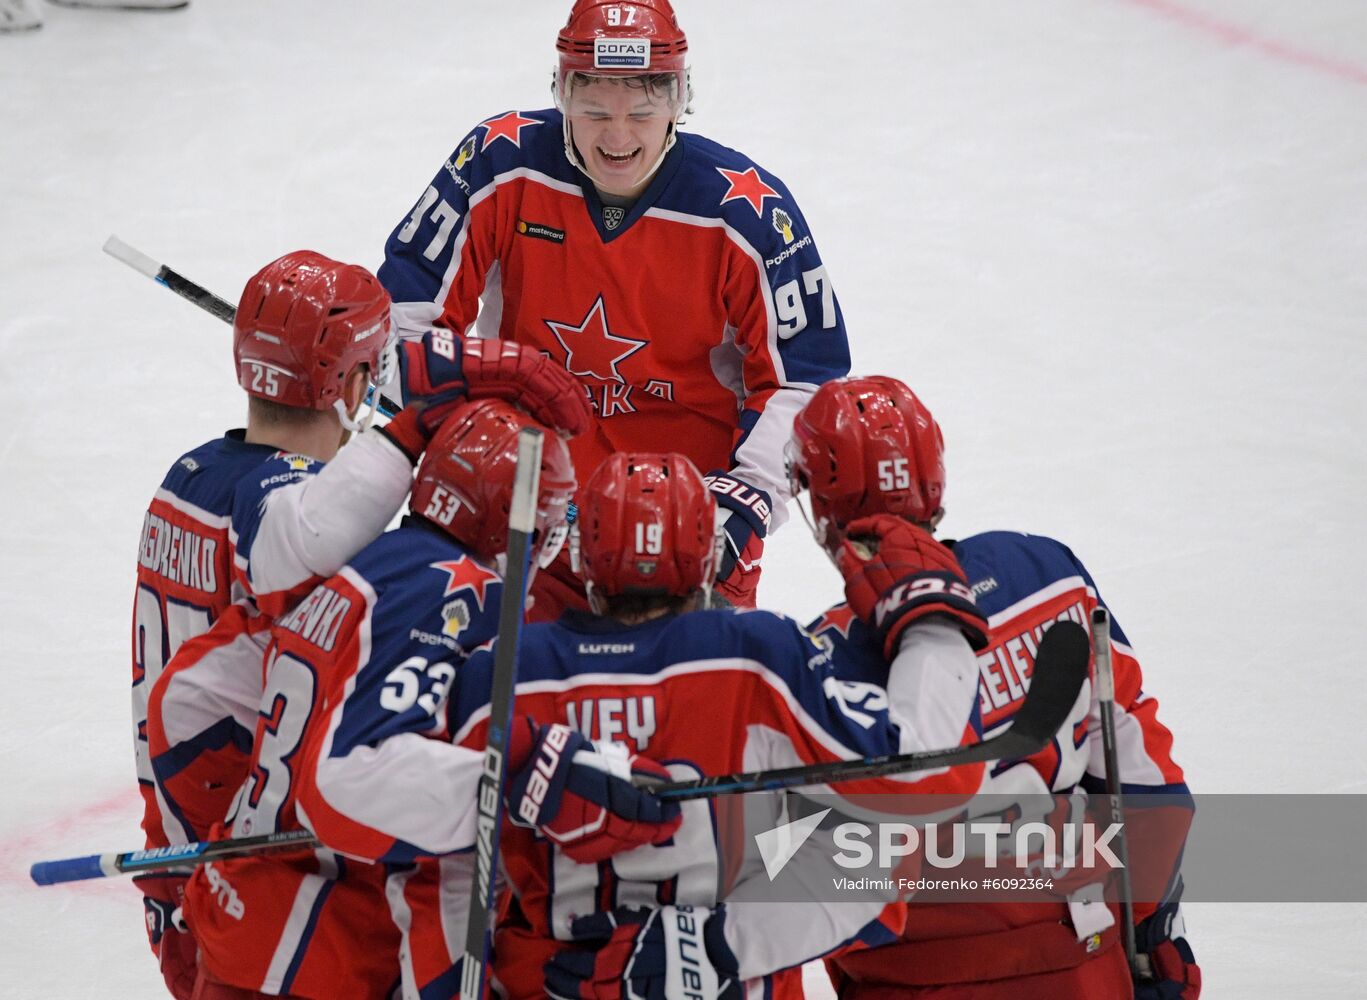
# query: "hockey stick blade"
{"points": [[1060, 671], [164, 858], [163, 275]]}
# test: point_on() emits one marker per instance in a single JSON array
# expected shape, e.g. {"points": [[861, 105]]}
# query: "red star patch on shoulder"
{"points": [[838, 618], [748, 186], [508, 127], [591, 348], [466, 574]]}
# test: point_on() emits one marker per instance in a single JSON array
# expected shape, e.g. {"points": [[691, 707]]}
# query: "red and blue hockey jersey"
{"points": [[705, 317], [185, 578], [288, 522], [358, 764], [1023, 583], [713, 692]]}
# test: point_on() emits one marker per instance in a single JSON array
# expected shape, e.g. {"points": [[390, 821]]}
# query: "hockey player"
{"points": [[672, 276], [241, 526], [871, 457], [381, 642], [707, 692]]}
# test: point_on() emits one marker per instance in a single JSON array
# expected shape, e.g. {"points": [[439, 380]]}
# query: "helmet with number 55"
{"points": [[865, 446]]}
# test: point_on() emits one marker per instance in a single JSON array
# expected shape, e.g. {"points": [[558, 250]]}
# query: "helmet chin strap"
{"points": [[562, 101], [348, 422]]}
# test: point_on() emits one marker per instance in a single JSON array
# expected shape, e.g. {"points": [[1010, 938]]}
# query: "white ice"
{"points": [[1119, 246]]}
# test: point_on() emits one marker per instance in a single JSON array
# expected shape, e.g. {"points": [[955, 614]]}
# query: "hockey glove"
{"points": [[653, 954], [896, 574], [579, 793], [743, 513], [167, 934], [1168, 969], [441, 370]]}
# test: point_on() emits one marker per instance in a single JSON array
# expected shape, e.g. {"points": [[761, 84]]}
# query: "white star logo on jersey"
{"points": [[591, 348], [777, 846], [508, 127]]}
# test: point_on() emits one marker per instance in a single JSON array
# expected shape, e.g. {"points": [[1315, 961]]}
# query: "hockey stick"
{"points": [[1105, 693], [162, 858], [173, 280], [1060, 670], [196, 293], [489, 800]]}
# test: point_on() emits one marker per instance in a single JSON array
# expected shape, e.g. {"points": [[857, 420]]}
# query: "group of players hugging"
{"points": [[655, 302]]}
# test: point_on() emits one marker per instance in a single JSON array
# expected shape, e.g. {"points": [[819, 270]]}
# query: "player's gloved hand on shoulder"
{"points": [[1168, 969], [637, 952], [896, 574], [743, 514], [167, 934], [441, 370], [580, 794]]}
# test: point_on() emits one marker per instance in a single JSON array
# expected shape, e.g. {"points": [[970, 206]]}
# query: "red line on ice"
{"points": [[1235, 35], [24, 849]]}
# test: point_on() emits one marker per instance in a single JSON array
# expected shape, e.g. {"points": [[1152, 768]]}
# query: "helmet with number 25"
{"points": [[647, 525], [865, 446], [305, 322], [464, 484]]}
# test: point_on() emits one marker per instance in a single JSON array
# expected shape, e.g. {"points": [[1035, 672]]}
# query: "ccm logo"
{"points": [[918, 590], [747, 496], [529, 806]]}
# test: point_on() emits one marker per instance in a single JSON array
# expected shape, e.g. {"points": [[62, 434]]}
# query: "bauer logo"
{"points": [[621, 53], [539, 232]]}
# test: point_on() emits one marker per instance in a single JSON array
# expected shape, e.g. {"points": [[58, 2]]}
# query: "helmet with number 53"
{"points": [[464, 484]]}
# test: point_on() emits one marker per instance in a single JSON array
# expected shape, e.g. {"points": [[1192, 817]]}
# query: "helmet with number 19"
{"points": [[304, 324], [464, 484], [865, 446], [622, 85], [647, 526]]}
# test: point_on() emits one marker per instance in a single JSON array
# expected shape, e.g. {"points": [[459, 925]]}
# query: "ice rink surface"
{"points": [[1118, 246]]}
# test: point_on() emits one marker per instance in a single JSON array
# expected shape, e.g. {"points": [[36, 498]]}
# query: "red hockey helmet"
{"points": [[620, 38], [647, 524], [866, 446], [464, 483], [304, 323]]}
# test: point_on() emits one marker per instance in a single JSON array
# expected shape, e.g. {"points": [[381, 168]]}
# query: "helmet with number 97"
{"points": [[647, 524], [620, 38], [865, 446], [305, 322], [464, 484]]}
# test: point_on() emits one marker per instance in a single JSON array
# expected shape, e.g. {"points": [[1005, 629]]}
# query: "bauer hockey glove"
{"points": [[1167, 966], [579, 793], [743, 514], [441, 370], [896, 574], [170, 939], [654, 954]]}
